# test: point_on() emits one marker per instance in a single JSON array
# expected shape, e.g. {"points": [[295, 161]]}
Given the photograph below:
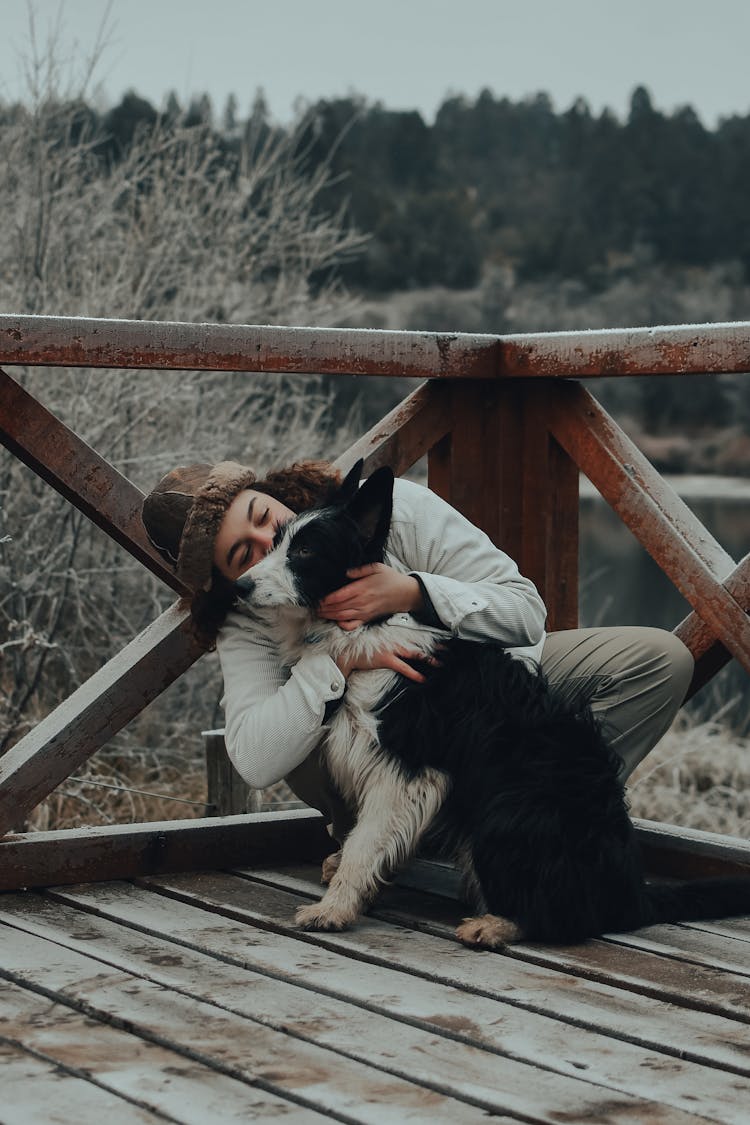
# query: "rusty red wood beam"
{"points": [[405, 434], [96, 711], [658, 518], [625, 477], [62, 459], [549, 483], [709, 653], [81, 342], [127, 851], [131, 851], [686, 853], [86, 342]]}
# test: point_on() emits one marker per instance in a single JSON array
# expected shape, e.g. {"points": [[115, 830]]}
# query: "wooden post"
{"points": [[502, 469], [549, 511], [228, 794], [477, 469]]}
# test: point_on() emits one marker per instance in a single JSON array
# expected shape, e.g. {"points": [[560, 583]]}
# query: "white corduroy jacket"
{"points": [[274, 713]]}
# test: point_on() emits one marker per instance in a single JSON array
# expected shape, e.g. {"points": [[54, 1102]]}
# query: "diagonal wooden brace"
{"points": [[70, 734], [405, 434], [659, 519], [38, 438], [709, 653]]}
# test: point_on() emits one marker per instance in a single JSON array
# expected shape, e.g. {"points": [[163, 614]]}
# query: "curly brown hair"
{"points": [[300, 486]]}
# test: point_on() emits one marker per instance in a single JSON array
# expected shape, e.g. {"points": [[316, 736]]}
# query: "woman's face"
{"points": [[246, 533]]}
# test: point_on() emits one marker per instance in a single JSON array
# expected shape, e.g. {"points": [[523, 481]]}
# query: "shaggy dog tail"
{"points": [[691, 902]]}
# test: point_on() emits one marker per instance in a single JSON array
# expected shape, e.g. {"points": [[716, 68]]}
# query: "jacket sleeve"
{"points": [[274, 715], [475, 589]]}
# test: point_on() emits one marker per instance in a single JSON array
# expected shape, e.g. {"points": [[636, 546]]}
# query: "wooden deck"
{"points": [[193, 998]]}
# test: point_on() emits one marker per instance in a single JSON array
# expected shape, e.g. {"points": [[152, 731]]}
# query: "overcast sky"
{"points": [[405, 53]]}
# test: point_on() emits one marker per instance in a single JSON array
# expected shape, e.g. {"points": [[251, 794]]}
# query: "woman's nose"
{"points": [[265, 539]]}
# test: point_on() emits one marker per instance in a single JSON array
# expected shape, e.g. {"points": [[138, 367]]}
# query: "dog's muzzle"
{"points": [[245, 586]]}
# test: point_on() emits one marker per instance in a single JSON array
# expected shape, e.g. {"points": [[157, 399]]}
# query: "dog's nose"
{"points": [[245, 585]]}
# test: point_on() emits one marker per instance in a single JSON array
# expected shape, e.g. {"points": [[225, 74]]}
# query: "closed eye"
{"points": [[279, 534]]}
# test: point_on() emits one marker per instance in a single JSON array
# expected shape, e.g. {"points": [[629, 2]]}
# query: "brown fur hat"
{"points": [[183, 513]]}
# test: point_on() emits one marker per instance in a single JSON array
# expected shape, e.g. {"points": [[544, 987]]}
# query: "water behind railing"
{"points": [[622, 585]]}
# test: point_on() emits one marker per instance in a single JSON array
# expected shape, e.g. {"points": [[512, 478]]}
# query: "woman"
{"points": [[214, 523]]}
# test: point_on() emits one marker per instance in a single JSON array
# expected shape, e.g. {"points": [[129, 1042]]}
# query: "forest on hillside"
{"points": [[491, 182], [499, 216]]}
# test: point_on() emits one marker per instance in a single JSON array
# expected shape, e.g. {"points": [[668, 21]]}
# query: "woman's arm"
{"points": [[375, 591], [458, 577], [275, 715]]}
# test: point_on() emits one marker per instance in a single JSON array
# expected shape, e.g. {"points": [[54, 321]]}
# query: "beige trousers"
{"points": [[635, 679]]}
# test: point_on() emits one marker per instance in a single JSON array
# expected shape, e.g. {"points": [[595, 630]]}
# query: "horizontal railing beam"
{"points": [[130, 851], [86, 342], [688, 853]]}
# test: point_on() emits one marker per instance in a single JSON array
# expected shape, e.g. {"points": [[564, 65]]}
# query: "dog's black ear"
{"points": [[350, 484], [371, 510]]}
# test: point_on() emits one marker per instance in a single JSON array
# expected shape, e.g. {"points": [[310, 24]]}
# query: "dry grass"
{"points": [[104, 792], [127, 789], [698, 777]]}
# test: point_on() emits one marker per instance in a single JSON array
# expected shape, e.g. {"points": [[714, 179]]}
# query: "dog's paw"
{"points": [[488, 931], [330, 867], [318, 917]]}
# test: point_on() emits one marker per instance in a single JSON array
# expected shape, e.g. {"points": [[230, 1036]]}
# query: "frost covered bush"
{"points": [[170, 228]]}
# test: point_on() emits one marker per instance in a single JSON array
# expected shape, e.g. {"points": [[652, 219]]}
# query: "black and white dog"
{"points": [[512, 780]]}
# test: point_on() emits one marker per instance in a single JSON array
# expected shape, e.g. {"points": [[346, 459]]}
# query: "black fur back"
{"points": [[536, 798]]}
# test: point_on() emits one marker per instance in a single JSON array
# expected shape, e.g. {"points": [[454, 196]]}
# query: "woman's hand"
{"points": [[394, 658], [376, 591]]}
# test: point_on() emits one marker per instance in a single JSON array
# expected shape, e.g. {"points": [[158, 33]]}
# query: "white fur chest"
{"points": [[351, 742]]}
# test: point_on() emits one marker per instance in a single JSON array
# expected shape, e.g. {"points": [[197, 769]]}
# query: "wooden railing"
{"points": [[506, 427]]}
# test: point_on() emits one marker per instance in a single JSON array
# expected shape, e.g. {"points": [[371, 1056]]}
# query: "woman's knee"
{"points": [[312, 783], [676, 657]]}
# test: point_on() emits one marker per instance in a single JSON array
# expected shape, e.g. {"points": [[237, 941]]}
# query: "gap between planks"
{"points": [[444, 962], [602, 960], [306, 1075], [156, 1078], [705, 1084]]}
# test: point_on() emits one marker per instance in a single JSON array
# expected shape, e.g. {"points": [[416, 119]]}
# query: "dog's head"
{"points": [[312, 553]]}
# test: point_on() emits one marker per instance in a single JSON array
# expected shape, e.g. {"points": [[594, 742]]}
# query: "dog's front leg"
{"points": [[392, 818]]}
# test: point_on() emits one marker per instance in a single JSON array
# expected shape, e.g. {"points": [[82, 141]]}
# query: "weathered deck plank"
{"points": [[700, 947], [491, 1025], [309, 1075], [454, 1070], [59, 1097], [154, 1077], [195, 998], [662, 979]]}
